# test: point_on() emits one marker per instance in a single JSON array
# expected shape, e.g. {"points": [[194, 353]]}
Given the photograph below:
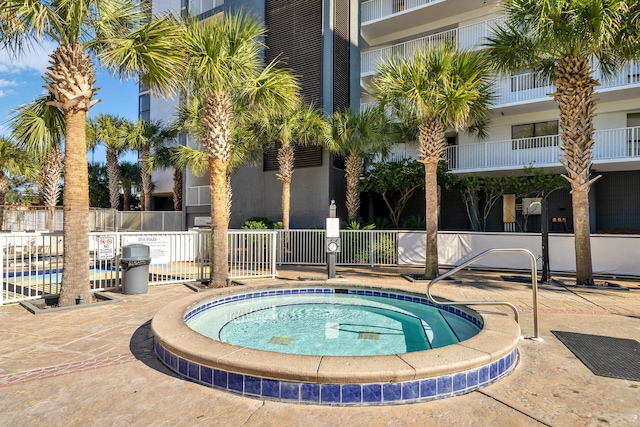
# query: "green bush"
{"points": [[357, 225], [416, 222], [260, 223]]}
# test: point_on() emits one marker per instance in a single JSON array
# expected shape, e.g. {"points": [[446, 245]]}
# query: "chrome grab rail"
{"points": [[534, 287]]}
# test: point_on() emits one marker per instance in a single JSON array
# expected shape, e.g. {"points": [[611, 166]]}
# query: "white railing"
{"points": [[370, 60], [150, 220], [377, 9], [35, 218], [609, 144], [31, 264], [358, 247], [252, 253], [197, 7], [529, 87], [466, 37], [198, 196]]}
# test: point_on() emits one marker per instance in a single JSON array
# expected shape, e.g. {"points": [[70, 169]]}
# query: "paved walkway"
{"points": [[95, 366]]}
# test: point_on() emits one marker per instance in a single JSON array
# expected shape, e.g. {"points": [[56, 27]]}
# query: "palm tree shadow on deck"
{"points": [[141, 346]]}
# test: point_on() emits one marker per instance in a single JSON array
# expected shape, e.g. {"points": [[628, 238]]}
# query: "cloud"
{"points": [[4, 93], [8, 83], [33, 59]]}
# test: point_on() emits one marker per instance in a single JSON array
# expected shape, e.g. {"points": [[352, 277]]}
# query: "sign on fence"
{"points": [[159, 246], [106, 247]]}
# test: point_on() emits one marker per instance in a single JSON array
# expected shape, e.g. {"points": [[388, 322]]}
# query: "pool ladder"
{"points": [[534, 287]]}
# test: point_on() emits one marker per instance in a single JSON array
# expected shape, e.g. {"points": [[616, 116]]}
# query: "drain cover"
{"points": [[280, 340], [368, 336]]}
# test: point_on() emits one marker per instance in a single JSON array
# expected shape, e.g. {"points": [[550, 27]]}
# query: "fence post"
{"points": [[372, 242], [274, 257]]}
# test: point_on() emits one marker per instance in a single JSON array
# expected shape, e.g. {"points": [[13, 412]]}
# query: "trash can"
{"points": [[135, 268]]}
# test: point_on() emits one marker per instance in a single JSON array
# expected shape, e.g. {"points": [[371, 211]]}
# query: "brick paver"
{"points": [[95, 366]]}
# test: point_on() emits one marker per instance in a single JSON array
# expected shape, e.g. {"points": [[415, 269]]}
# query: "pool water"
{"points": [[333, 325]]}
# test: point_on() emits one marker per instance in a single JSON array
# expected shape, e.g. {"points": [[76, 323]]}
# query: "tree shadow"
{"points": [[141, 346]]}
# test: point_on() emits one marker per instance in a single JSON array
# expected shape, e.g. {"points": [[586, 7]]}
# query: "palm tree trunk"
{"points": [[146, 181], [286, 158], [353, 169], [433, 144], [4, 185], [581, 229], [431, 218], [177, 190], [75, 277], [576, 103], [126, 196], [219, 222], [113, 175]]}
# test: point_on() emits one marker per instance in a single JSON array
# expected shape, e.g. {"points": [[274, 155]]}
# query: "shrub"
{"points": [[257, 223]]}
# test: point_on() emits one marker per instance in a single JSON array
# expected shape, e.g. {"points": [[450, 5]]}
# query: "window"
{"points": [[144, 107], [534, 135]]}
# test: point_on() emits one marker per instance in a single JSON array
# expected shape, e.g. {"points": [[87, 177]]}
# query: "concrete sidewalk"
{"points": [[95, 366]]}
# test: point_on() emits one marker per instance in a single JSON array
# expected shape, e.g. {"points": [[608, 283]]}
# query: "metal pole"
{"points": [[546, 273], [331, 256]]}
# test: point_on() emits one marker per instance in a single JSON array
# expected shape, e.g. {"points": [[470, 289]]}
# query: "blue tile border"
{"points": [[347, 394], [420, 390]]}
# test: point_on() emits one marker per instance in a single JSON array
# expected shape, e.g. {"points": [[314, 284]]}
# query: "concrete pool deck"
{"points": [[96, 366]]}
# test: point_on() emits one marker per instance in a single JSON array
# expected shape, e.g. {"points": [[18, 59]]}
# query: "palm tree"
{"points": [[39, 129], [303, 125], [563, 41], [130, 177], [144, 136], [164, 158], [357, 135], [13, 161], [110, 131], [439, 88], [225, 65], [122, 38]]}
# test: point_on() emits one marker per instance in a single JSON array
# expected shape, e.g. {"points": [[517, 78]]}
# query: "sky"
{"points": [[21, 81]]}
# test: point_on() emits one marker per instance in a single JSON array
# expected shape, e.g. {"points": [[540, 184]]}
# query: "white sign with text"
{"points": [[159, 246]]}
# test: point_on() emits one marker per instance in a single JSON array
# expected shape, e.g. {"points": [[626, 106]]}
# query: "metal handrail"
{"points": [[534, 287]]}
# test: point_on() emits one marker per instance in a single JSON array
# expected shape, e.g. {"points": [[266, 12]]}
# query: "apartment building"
{"points": [[318, 40], [523, 132], [524, 128]]}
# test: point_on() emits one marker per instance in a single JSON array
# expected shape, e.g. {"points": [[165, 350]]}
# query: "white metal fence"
{"points": [[31, 263], [18, 218], [358, 247]]}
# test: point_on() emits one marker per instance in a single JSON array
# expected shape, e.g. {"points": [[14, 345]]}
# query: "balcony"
{"points": [[612, 146], [378, 9], [509, 90], [466, 37], [198, 7]]}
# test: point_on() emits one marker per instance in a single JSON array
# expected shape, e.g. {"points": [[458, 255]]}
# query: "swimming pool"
{"points": [[345, 322], [389, 379]]}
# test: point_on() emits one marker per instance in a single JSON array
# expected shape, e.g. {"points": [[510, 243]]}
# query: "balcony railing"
{"points": [[508, 90], [198, 7], [466, 37], [377, 9], [609, 145]]}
